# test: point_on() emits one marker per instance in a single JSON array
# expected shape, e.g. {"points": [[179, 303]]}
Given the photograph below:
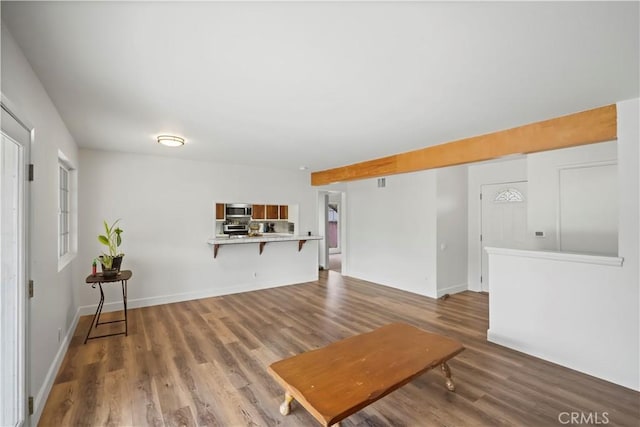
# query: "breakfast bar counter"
{"points": [[262, 240]]}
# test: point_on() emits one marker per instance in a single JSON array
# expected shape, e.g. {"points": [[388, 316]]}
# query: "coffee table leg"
{"points": [[285, 407], [447, 374]]}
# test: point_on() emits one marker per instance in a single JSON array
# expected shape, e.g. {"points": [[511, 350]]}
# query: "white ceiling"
{"points": [[320, 84]]}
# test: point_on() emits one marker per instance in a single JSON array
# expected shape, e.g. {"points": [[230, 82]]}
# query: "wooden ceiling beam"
{"points": [[586, 127]]}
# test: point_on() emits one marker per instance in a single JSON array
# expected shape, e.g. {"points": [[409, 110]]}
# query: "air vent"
{"points": [[382, 182]]}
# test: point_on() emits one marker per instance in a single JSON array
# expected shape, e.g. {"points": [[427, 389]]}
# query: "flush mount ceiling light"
{"points": [[170, 140]]}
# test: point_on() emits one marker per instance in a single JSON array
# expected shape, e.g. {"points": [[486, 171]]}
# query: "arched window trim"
{"points": [[510, 195]]}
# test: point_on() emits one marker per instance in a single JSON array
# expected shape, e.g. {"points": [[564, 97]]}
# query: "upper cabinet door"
{"points": [[258, 212], [219, 210], [272, 212], [284, 212]]}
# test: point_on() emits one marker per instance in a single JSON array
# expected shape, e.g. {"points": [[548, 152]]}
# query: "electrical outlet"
{"points": [[59, 334], [255, 274]]}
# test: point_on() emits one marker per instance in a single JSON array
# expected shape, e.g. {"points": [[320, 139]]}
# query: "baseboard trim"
{"points": [[41, 397], [503, 341], [389, 284], [452, 289], [188, 296], [527, 349]]}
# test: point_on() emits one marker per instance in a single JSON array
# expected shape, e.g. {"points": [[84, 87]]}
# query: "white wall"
{"points": [[580, 315], [628, 293], [540, 170], [544, 185], [391, 232], [52, 307], [492, 172], [452, 244], [166, 207], [568, 312]]}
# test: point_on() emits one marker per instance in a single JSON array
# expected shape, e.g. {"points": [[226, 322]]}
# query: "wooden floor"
{"points": [[204, 363], [335, 262]]}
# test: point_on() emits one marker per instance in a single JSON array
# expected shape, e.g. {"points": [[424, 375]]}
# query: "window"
{"points": [[509, 195], [64, 211], [67, 212]]}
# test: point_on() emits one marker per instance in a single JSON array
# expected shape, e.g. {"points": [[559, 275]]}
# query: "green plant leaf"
{"points": [[107, 260], [111, 238]]}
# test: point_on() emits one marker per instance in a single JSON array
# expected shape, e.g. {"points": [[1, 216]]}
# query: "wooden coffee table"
{"points": [[338, 380]]}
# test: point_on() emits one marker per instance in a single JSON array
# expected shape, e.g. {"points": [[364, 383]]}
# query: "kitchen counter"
{"points": [[262, 240]]}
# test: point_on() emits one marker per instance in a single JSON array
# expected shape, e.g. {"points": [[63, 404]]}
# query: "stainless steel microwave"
{"points": [[238, 210], [236, 229]]}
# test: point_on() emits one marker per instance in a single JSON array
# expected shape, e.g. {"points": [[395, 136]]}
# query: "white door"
{"points": [[503, 220], [14, 152], [589, 209]]}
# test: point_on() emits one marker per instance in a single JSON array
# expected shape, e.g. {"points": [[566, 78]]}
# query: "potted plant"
{"points": [[112, 239]]}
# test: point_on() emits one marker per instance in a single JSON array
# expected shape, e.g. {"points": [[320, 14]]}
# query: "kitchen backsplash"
{"points": [[278, 226]]}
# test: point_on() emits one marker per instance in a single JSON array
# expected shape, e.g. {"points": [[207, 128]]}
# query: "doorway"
{"points": [[332, 225], [334, 210], [503, 213], [15, 140]]}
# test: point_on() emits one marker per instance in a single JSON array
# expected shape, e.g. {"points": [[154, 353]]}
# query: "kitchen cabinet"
{"points": [[284, 212], [220, 211], [258, 212], [273, 212]]}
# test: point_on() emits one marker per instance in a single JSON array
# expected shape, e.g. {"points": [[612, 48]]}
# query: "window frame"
{"points": [[67, 221], [64, 210]]}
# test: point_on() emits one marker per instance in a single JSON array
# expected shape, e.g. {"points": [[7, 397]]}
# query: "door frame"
{"points": [[323, 245], [26, 220], [322, 216], [483, 282]]}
